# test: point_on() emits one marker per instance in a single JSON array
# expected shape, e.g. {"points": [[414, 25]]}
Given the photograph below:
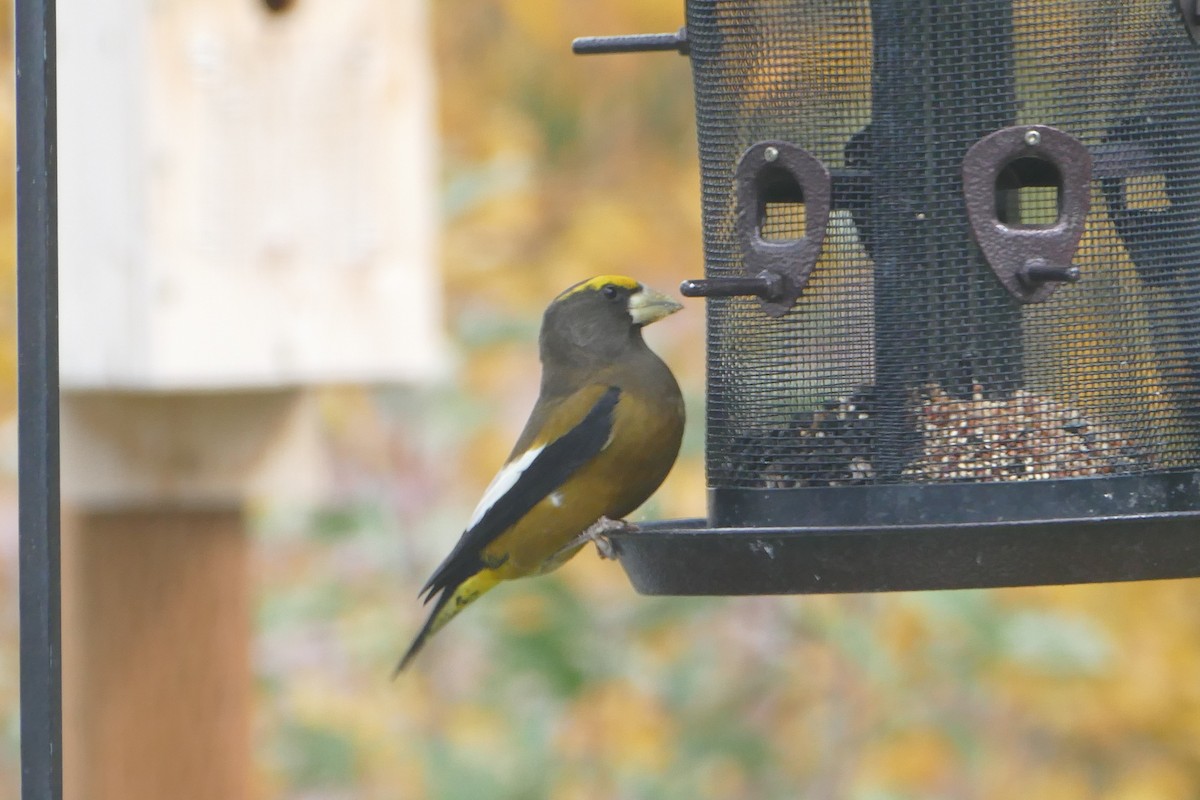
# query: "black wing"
{"points": [[546, 473]]}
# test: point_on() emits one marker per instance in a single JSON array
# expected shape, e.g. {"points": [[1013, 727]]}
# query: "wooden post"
{"points": [[157, 661], [157, 674]]}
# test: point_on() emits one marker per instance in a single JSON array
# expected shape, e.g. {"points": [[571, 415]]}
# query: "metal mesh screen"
{"points": [[906, 360]]}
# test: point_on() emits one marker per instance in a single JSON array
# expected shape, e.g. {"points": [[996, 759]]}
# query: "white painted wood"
{"points": [[191, 450], [247, 199]]}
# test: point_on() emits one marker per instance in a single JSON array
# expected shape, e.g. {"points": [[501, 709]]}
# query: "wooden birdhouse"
{"points": [[247, 209]]}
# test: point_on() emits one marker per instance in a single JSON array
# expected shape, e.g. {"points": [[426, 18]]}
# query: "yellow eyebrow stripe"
{"points": [[598, 282]]}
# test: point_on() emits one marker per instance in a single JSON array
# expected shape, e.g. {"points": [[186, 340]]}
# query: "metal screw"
{"points": [[921, 216], [1033, 138], [771, 153]]}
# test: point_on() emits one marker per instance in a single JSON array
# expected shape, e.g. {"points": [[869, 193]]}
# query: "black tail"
{"points": [[432, 624]]}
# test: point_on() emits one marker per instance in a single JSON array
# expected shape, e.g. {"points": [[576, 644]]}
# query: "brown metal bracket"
{"points": [[1190, 9], [1030, 260], [777, 269]]}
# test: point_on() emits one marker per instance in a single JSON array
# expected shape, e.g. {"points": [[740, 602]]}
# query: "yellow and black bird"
{"points": [[601, 438]]}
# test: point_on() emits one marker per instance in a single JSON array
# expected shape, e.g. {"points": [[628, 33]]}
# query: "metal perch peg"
{"points": [[766, 285], [632, 43], [1038, 270]]}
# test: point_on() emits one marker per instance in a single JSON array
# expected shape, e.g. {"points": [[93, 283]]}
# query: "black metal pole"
{"points": [[37, 397]]}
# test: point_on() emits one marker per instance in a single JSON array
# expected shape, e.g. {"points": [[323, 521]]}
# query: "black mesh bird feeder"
{"points": [[952, 270]]}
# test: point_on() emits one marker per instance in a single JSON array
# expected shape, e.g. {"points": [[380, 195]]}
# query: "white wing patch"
{"points": [[505, 479]]}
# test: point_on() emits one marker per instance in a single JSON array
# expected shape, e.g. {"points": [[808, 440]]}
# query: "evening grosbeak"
{"points": [[601, 438]]}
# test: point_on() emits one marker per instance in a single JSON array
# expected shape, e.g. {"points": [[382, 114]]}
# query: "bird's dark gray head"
{"points": [[599, 318]]}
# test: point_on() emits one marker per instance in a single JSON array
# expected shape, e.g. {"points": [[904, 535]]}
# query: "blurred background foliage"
{"points": [[571, 686]]}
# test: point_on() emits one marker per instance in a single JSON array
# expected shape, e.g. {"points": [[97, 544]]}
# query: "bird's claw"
{"points": [[598, 532]]}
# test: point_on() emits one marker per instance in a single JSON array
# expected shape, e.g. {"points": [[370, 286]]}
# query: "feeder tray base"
{"points": [[684, 557]]}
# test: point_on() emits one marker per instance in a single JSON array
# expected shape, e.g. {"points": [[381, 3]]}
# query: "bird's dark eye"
{"points": [[609, 291]]}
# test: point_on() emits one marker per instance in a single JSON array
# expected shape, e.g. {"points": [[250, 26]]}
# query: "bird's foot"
{"points": [[598, 532]]}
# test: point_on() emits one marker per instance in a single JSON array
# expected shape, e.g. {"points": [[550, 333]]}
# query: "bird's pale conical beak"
{"points": [[647, 305]]}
